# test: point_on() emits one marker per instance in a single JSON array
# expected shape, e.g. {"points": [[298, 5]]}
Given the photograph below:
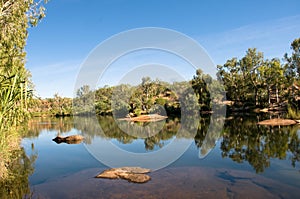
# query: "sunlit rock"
{"points": [[277, 122], [72, 139], [132, 174], [145, 118]]}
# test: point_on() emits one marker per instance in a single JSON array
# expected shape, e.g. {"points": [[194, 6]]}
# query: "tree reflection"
{"points": [[20, 168], [244, 140], [36, 125], [107, 127], [241, 139]]}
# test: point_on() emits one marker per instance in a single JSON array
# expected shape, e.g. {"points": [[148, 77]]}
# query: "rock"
{"points": [[277, 122], [135, 177], [72, 139], [132, 174], [145, 118]]}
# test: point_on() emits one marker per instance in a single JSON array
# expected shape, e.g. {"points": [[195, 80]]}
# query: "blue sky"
{"points": [[73, 28]]}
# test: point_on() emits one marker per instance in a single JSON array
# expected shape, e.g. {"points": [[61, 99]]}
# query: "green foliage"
{"points": [[200, 85], [83, 104], [15, 86], [240, 77], [56, 106], [253, 80]]}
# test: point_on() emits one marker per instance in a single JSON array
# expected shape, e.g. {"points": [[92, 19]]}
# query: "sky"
{"points": [[61, 44]]}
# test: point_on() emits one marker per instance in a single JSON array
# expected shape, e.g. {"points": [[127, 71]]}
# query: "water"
{"points": [[244, 160]]}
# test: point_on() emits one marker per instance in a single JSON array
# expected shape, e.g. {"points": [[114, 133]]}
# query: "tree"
{"points": [[271, 75], [84, 102], [240, 77], [200, 85], [292, 71], [15, 17], [249, 65], [293, 62]]}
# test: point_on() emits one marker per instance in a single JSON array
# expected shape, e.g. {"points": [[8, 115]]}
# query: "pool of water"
{"points": [[241, 160]]}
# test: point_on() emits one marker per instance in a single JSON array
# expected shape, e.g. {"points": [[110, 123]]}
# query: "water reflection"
{"points": [[111, 129], [20, 168], [36, 125], [241, 140]]}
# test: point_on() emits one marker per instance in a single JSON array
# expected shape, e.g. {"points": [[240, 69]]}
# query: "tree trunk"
{"points": [[277, 98], [269, 97]]}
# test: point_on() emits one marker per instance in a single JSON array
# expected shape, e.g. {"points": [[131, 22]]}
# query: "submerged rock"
{"points": [[132, 174], [72, 139]]}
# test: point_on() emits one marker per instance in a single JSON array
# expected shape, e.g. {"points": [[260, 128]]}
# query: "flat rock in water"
{"points": [[277, 122], [145, 118], [132, 174]]}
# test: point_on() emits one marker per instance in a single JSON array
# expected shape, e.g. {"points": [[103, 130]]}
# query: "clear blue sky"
{"points": [[226, 29]]}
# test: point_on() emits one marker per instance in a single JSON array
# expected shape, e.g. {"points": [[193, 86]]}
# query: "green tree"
{"points": [[84, 102], [229, 73], [272, 79], [15, 17], [292, 72], [200, 85], [249, 65]]}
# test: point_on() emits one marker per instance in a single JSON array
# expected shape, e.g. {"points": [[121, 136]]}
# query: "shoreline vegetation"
{"points": [[249, 84], [16, 90]]}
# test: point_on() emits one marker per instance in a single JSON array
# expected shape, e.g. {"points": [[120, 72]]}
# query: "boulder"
{"points": [[132, 174], [72, 139]]}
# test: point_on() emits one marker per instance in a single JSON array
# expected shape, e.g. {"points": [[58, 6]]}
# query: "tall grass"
{"points": [[13, 104], [13, 111]]}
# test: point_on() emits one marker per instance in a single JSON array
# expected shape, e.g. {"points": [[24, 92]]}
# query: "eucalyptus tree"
{"points": [[272, 80], [241, 77], [229, 73], [200, 85], [249, 65], [292, 70], [84, 102]]}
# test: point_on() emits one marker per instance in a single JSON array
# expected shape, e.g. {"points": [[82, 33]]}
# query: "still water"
{"points": [[241, 160]]}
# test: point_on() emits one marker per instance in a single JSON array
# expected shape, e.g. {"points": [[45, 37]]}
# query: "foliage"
{"points": [[15, 86], [83, 104], [56, 106], [255, 81]]}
